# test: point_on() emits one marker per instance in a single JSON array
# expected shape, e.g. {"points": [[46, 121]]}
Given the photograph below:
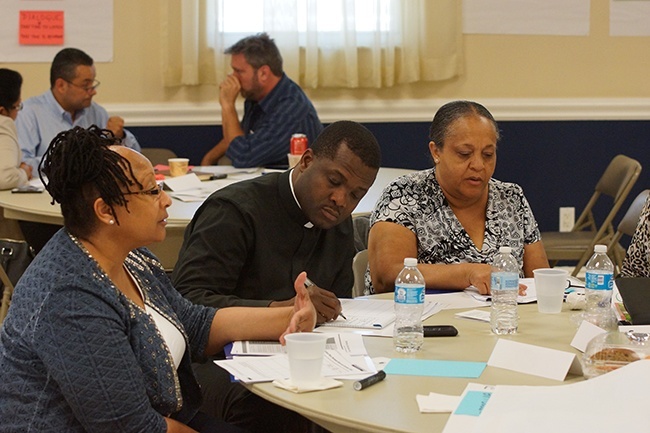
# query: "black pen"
{"points": [[309, 283], [369, 381]]}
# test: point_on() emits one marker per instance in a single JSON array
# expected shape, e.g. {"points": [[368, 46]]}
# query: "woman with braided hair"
{"points": [[97, 339]]}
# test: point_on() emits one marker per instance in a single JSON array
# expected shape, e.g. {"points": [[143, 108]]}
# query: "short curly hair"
{"points": [[356, 136]]}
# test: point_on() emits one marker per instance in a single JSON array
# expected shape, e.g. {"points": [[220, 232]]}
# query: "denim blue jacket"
{"points": [[77, 355]]}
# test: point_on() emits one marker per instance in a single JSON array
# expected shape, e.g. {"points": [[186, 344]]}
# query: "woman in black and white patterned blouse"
{"points": [[454, 216], [637, 259]]}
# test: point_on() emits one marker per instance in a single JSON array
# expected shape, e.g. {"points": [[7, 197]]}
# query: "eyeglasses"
{"points": [[153, 192], [88, 89], [18, 106]]}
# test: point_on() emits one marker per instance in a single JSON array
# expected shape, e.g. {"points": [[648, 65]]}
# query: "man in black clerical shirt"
{"points": [[248, 242]]}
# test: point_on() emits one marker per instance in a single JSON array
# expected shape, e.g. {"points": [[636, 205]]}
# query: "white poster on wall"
{"points": [[526, 17], [629, 18], [35, 30]]}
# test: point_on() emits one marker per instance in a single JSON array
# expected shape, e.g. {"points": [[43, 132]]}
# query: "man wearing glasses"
{"points": [[66, 104]]}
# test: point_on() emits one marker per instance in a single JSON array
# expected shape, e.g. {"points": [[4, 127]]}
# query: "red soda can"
{"points": [[298, 144]]}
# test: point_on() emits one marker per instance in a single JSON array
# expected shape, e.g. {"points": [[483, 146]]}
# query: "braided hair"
{"points": [[80, 167]]}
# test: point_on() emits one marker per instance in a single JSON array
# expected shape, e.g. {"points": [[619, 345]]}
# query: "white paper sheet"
{"points": [[613, 402], [437, 403], [430, 308], [527, 17], [251, 369], [480, 315], [465, 422], [586, 332], [455, 300], [629, 18], [529, 297], [352, 344], [531, 359]]}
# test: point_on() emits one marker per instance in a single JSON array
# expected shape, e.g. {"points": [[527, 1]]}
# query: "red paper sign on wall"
{"points": [[41, 28]]}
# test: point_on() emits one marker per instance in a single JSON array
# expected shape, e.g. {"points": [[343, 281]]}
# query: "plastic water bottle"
{"points": [[504, 288], [599, 283], [409, 304]]}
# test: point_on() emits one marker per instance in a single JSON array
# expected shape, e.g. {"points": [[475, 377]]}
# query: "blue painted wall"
{"points": [[556, 162]]}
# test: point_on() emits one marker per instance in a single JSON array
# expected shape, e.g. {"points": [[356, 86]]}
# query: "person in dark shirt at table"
{"points": [[275, 107], [248, 241]]}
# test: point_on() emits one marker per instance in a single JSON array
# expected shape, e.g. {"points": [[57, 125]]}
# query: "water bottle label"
{"points": [[598, 281], [409, 294], [504, 281]]}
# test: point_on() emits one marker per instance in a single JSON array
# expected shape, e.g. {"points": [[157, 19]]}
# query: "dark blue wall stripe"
{"points": [[556, 162]]}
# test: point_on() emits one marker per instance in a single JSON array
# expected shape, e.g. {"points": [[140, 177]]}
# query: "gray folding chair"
{"points": [[627, 226], [7, 292], [158, 155], [361, 225], [359, 266], [577, 245]]}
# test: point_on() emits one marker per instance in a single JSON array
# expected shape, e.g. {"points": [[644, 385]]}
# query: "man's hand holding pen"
{"points": [[328, 306]]}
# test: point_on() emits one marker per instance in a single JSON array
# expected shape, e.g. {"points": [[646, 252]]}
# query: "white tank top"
{"points": [[172, 336]]}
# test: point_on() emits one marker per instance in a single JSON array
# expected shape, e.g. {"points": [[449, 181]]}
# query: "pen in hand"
{"points": [[309, 283]]}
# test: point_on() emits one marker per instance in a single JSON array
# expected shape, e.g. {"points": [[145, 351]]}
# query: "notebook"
{"points": [[635, 293], [373, 313]]}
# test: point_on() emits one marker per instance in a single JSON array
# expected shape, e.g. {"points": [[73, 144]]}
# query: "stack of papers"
{"points": [[615, 401], [371, 316], [345, 357]]}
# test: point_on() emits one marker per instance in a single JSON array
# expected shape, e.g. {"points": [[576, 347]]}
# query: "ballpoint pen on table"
{"points": [[309, 283]]}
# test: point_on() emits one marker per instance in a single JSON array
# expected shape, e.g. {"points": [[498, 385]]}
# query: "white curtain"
{"points": [[403, 41]]}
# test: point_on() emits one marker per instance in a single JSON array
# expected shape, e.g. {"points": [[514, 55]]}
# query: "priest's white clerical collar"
{"points": [[308, 224]]}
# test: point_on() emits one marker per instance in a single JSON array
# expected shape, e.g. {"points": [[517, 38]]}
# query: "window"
{"points": [[247, 16], [324, 43]]}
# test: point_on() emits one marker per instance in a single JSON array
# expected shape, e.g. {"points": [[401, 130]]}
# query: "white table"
{"points": [[37, 208], [390, 405]]}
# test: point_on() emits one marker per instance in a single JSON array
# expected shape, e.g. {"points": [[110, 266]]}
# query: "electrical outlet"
{"points": [[567, 218]]}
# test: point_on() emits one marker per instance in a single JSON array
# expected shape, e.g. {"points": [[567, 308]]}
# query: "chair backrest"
{"points": [[361, 224], [359, 266], [7, 292], [627, 226], [158, 155], [616, 182], [630, 220], [15, 257]]}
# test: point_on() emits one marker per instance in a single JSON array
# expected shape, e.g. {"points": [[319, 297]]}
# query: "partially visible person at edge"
{"points": [[246, 243], [97, 339], [275, 107], [13, 171], [453, 217], [637, 258], [68, 103]]}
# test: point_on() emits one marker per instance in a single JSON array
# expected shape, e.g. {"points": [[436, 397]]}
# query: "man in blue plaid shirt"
{"points": [[275, 107]]}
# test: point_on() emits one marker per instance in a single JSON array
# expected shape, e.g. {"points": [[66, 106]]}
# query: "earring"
{"points": [[436, 161], [111, 222]]}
